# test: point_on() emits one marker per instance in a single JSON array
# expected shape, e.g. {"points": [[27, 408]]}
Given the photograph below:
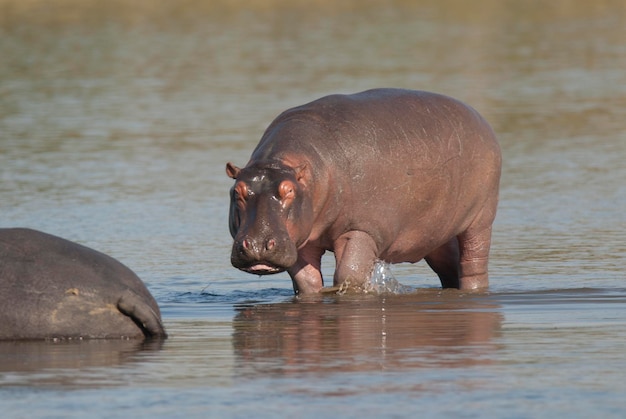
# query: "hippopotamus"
{"points": [[386, 174], [52, 288]]}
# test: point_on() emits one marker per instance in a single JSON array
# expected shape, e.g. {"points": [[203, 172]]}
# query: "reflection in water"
{"points": [[69, 356], [363, 333]]}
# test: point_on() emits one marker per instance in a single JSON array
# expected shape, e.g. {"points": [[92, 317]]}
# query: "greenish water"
{"points": [[116, 120]]}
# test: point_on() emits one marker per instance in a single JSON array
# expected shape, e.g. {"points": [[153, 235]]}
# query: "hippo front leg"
{"points": [[355, 254], [306, 274]]}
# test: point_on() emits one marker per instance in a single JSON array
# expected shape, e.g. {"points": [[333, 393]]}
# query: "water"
{"points": [[383, 281], [116, 120]]}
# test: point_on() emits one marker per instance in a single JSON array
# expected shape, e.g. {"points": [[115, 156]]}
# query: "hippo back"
{"points": [[51, 288]]}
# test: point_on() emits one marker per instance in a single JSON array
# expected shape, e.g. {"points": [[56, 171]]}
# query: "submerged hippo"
{"points": [[52, 288], [388, 174]]}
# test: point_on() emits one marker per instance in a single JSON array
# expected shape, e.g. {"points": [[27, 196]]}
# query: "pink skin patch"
{"points": [[261, 268]]}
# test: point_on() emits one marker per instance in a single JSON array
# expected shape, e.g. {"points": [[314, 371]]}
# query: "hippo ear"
{"points": [[302, 174], [232, 171]]}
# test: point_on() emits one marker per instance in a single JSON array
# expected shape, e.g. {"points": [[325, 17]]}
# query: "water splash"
{"points": [[383, 281]]}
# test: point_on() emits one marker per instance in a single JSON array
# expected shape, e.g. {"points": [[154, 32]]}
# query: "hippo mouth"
{"points": [[262, 269]]}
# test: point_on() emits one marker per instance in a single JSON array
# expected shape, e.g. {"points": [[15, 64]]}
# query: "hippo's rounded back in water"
{"points": [[52, 288], [389, 174]]}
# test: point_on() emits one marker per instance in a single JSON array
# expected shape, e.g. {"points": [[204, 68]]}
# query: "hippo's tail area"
{"points": [[144, 316]]}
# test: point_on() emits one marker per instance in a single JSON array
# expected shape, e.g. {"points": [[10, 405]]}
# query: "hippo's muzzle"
{"points": [[263, 256]]}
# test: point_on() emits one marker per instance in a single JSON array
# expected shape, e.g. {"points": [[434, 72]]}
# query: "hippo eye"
{"points": [[286, 193], [242, 193], [241, 201]]}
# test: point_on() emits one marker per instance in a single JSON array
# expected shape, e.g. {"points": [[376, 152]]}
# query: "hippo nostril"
{"points": [[252, 248]]}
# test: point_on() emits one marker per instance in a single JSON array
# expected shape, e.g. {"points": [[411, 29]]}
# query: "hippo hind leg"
{"points": [[462, 261], [474, 258], [142, 314], [445, 261]]}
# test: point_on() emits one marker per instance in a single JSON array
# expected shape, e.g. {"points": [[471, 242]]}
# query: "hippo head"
{"points": [[270, 217]]}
